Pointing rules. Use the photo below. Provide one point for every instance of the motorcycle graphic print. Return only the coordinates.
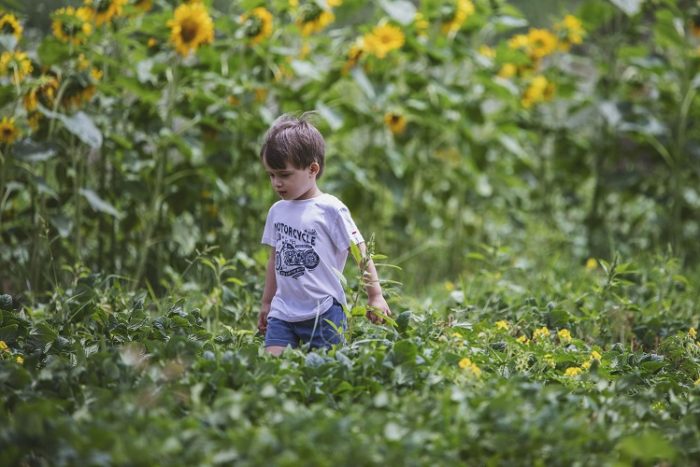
(294, 260)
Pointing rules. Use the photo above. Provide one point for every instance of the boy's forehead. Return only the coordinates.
(287, 167)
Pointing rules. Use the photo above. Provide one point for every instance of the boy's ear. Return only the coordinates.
(314, 168)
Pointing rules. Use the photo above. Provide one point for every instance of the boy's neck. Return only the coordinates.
(311, 193)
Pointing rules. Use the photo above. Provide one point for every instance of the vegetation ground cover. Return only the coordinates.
(533, 175)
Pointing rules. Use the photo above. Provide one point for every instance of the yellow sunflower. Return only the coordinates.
(104, 10)
(383, 39)
(72, 25)
(8, 130)
(539, 90)
(357, 50)
(311, 18)
(396, 122)
(16, 64)
(541, 43)
(43, 93)
(457, 15)
(573, 31)
(257, 25)
(143, 5)
(10, 26)
(191, 27)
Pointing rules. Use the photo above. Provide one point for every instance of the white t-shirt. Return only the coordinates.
(311, 238)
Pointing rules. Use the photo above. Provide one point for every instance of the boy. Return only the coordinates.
(311, 233)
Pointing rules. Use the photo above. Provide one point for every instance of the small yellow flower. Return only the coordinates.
(507, 70)
(487, 51)
(519, 41)
(257, 24)
(8, 131)
(564, 336)
(595, 355)
(449, 286)
(692, 333)
(503, 324)
(549, 360)
(467, 364)
(10, 26)
(572, 29)
(540, 333)
(190, 28)
(697, 382)
(383, 39)
(396, 122)
(152, 42)
(586, 365)
(573, 371)
(4, 347)
(591, 264)
(421, 24)
(523, 340)
(20, 359)
(540, 89)
(463, 9)
(357, 50)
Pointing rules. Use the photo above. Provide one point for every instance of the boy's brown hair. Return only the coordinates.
(296, 140)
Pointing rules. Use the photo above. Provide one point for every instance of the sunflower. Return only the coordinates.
(572, 30)
(541, 43)
(257, 25)
(190, 27)
(44, 93)
(143, 5)
(104, 10)
(16, 64)
(10, 26)
(311, 18)
(357, 50)
(396, 122)
(72, 25)
(540, 89)
(79, 89)
(456, 16)
(383, 39)
(8, 131)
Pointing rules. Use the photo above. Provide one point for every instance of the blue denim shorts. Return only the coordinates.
(317, 333)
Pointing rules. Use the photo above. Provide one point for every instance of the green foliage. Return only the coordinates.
(466, 377)
(136, 157)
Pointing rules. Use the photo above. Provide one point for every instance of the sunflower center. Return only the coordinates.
(101, 6)
(8, 28)
(188, 30)
(7, 131)
(310, 12)
(254, 26)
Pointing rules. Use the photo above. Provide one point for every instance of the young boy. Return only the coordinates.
(311, 233)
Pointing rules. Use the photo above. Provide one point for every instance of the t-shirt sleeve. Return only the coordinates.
(345, 230)
(268, 236)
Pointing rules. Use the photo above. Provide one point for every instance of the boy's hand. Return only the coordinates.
(262, 318)
(377, 303)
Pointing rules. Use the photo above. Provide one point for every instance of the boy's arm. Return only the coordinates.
(374, 289)
(268, 292)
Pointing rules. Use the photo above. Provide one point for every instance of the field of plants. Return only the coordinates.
(528, 170)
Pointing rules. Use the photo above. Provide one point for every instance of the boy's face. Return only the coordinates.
(292, 183)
